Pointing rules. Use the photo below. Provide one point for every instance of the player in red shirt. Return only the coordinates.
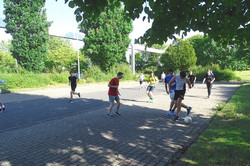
(114, 93)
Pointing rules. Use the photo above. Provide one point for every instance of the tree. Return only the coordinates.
(180, 55)
(226, 21)
(26, 22)
(6, 60)
(61, 54)
(106, 38)
(210, 52)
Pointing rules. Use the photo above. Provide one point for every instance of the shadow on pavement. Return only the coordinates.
(49, 131)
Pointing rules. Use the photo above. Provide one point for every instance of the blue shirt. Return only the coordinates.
(168, 78)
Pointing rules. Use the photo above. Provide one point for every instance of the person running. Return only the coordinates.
(152, 81)
(2, 107)
(209, 78)
(73, 80)
(163, 76)
(171, 95)
(181, 80)
(113, 94)
(192, 78)
(141, 78)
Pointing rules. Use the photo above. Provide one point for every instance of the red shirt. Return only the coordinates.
(113, 91)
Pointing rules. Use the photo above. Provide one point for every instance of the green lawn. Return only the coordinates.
(244, 75)
(227, 139)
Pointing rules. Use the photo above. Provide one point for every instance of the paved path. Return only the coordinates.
(53, 133)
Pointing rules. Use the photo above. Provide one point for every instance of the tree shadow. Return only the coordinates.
(48, 131)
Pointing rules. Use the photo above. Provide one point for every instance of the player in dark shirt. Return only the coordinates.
(192, 78)
(209, 78)
(73, 83)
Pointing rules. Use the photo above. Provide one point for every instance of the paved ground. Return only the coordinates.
(41, 128)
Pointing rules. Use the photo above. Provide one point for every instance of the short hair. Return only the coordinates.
(71, 72)
(151, 72)
(170, 70)
(183, 74)
(119, 73)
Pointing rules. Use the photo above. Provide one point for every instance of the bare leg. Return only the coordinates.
(179, 100)
(118, 106)
(110, 107)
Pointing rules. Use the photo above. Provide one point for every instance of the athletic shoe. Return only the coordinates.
(176, 118)
(189, 110)
(109, 115)
(70, 101)
(79, 94)
(170, 112)
(117, 113)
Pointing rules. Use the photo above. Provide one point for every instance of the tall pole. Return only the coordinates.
(78, 59)
(132, 58)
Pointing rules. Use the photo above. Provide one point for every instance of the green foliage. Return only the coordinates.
(220, 74)
(180, 55)
(208, 52)
(225, 21)
(7, 62)
(61, 54)
(106, 38)
(95, 74)
(26, 22)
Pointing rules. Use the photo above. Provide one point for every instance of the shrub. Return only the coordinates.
(220, 75)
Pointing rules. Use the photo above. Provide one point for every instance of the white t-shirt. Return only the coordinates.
(141, 77)
(180, 82)
(163, 76)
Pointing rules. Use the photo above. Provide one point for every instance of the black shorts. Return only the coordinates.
(73, 88)
(141, 82)
(179, 94)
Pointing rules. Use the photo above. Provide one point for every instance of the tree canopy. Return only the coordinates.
(106, 38)
(224, 20)
(26, 21)
(180, 55)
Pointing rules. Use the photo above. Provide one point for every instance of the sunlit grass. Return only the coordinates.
(227, 140)
(244, 75)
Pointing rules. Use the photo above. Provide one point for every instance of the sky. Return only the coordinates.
(64, 21)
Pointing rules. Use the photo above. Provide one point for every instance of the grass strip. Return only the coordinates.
(226, 141)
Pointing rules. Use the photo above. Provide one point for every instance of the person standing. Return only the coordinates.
(141, 78)
(73, 80)
(192, 78)
(152, 82)
(2, 107)
(209, 78)
(181, 80)
(163, 75)
(171, 95)
(113, 94)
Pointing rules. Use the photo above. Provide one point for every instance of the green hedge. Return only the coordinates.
(220, 75)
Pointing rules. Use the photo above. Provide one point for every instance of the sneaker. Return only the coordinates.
(117, 113)
(176, 118)
(108, 115)
(79, 94)
(189, 110)
(170, 112)
(70, 101)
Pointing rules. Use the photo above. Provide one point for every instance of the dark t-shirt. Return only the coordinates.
(209, 78)
(113, 91)
(72, 80)
(191, 78)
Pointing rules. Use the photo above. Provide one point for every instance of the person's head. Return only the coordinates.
(183, 74)
(163, 73)
(151, 74)
(119, 75)
(71, 73)
(191, 73)
(170, 72)
(208, 71)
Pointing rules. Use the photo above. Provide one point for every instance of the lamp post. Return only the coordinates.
(78, 59)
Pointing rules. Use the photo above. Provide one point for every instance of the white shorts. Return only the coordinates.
(171, 95)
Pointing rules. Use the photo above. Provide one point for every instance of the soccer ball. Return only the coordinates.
(188, 119)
